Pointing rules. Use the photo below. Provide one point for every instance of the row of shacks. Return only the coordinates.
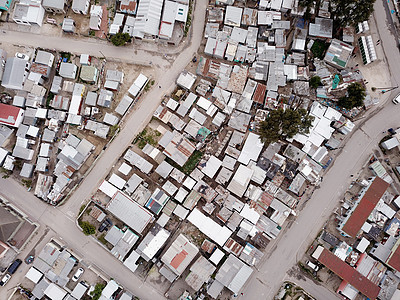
(35, 123)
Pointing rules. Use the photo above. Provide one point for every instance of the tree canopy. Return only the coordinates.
(315, 82)
(120, 39)
(87, 228)
(96, 293)
(354, 97)
(351, 12)
(282, 124)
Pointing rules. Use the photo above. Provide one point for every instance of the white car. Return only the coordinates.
(312, 265)
(5, 279)
(22, 56)
(77, 274)
(396, 100)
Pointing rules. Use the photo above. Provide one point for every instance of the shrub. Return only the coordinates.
(120, 39)
(87, 228)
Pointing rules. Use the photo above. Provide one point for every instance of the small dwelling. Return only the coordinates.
(54, 6)
(390, 143)
(89, 74)
(80, 6)
(68, 25)
(28, 12)
(96, 13)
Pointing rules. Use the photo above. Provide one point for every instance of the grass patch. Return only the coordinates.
(102, 239)
(190, 164)
(149, 85)
(113, 130)
(66, 55)
(189, 19)
(318, 49)
(82, 208)
(147, 136)
(27, 183)
(50, 97)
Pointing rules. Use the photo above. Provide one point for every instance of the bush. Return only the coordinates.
(96, 293)
(315, 82)
(87, 228)
(82, 208)
(27, 183)
(120, 39)
(102, 239)
(318, 49)
(354, 98)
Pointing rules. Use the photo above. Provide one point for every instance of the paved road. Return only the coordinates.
(88, 46)
(293, 244)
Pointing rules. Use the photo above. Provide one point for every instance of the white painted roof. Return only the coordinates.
(34, 275)
(250, 214)
(209, 227)
(108, 189)
(251, 149)
(117, 181)
(363, 245)
(125, 168)
(212, 166)
(217, 256)
(131, 260)
(54, 292)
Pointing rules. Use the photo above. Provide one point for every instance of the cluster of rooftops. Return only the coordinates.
(44, 105)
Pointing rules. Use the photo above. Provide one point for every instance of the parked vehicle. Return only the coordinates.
(29, 259)
(396, 100)
(103, 226)
(5, 279)
(77, 274)
(312, 265)
(14, 266)
(22, 56)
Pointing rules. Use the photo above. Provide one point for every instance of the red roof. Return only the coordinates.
(8, 114)
(178, 259)
(394, 258)
(259, 94)
(365, 207)
(349, 274)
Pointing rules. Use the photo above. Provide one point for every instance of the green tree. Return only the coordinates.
(354, 97)
(351, 12)
(308, 5)
(96, 293)
(315, 82)
(282, 124)
(87, 228)
(120, 39)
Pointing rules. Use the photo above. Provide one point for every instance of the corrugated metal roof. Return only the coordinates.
(179, 254)
(201, 271)
(349, 274)
(365, 207)
(129, 212)
(14, 73)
